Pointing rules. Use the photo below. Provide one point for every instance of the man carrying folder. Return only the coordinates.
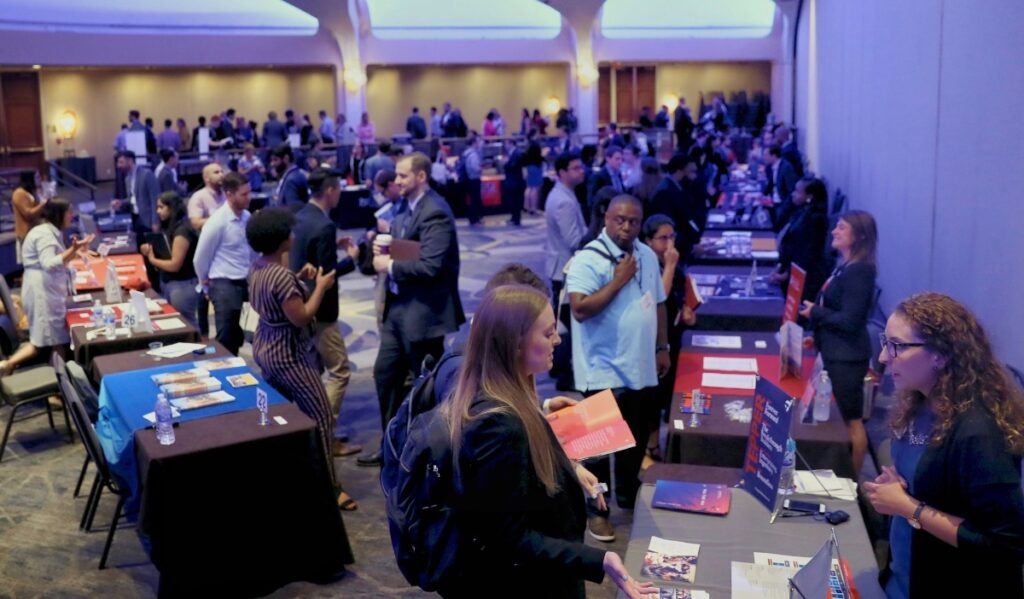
(422, 300)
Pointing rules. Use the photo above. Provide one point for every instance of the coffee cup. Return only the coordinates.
(383, 242)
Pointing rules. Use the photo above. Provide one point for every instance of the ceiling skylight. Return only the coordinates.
(185, 17)
(687, 18)
(463, 19)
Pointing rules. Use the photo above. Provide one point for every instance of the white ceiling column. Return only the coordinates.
(582, 18)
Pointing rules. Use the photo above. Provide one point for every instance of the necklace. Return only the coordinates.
(916, 439)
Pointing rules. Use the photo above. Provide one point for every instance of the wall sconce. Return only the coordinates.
(552, 105)
(670, 100)
(587, 74)
(355, 78)
(67, 124)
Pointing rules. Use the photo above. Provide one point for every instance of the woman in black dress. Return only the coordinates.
(839, 319)
(283, 345)
(526, 514)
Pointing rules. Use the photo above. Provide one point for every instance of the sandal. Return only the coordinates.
(346, 503)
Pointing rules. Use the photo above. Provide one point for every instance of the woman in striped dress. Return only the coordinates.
(283, 345)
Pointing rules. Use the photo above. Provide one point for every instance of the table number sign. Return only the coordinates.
(766, 443)
(261, 405)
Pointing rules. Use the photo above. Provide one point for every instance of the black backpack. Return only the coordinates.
(420, 489)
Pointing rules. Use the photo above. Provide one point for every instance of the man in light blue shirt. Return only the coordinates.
(619, 337)
(222, 261)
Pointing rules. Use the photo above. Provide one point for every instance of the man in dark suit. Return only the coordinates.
(679, 197)
(415, 125)
(683, 126)
(316, 242)
(292, 189)
(167, 171)
(142, 189)
(274, 131)
(790, 153)
(422, 300)
(609, 175)
(781, 181)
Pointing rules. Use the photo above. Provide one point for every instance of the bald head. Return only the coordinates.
(213, 176)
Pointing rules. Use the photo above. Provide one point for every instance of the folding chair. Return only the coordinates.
(104, 478)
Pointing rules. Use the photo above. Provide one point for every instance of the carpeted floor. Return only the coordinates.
(43, 554)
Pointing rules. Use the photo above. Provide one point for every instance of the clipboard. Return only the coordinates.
(158, 242)
(404, 249)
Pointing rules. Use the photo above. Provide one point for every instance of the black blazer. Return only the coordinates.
(840, 318)
(427, 305)
(970, 475)
(315, 242)
(803, 242)
(599, 180)
(530, 544)
(686, 208)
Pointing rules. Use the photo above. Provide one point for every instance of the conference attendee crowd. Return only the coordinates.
(624, 222)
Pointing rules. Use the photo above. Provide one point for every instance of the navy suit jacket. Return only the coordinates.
(295, 190)
(840, 319)
(316, 243)
(146, 191)
(427, 305)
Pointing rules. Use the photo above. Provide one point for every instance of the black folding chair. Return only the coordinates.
(104, 478)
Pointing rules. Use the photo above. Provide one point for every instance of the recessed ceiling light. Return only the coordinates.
(36, 67)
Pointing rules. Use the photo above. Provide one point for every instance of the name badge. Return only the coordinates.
(647, 302)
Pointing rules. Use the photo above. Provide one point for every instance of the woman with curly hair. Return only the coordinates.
(955, 490)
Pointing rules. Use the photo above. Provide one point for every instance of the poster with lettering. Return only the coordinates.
(766, 445)
(794, 293)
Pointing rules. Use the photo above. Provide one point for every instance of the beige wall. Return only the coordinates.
(392, 91)
(102, 99)
(692, 78)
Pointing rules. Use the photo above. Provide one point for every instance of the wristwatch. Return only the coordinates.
(662, 348)
(915, 520)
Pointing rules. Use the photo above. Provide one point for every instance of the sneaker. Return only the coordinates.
(601, 529)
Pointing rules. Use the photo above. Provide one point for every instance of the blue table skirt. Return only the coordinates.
(125, 397)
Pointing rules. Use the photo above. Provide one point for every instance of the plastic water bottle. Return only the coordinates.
(822, 397)
(164, 425)
(110, 321)
(97, 314)
(788, 466)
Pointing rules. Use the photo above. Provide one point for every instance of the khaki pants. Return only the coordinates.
(331, 346)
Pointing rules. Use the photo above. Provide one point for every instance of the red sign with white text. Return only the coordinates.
(795, 293)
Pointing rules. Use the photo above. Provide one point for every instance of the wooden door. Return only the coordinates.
(625, 95)
(645, 91)
(21, 130)
(604, 94)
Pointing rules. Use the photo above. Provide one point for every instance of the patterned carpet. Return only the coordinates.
(43, 554)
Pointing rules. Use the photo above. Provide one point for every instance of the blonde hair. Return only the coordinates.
(494, 366)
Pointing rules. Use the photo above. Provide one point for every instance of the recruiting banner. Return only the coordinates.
(766, 445)
(794, 293)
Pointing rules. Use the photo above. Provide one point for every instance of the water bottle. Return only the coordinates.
(164, 426)
(788, 466)
(97, 314)
(109, 321)
(822, 397)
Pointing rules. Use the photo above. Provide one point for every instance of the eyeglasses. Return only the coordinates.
(668, 237)
(892, 348)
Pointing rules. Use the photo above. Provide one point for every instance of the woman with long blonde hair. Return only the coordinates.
(525, 510)
(955, 491)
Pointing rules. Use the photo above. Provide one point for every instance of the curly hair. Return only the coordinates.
(971, 373)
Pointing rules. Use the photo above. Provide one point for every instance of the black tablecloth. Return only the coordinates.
(233, 508)
(722, 442)
(762, 241)
(83, 168)
(762, 312)
(138, 360)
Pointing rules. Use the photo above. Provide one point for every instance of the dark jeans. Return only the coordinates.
(203, 314)
(512, 195)
(635, 406)
(227, 297)
(182, 295)
(397, 359)
(476, 207)
(140, 229)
